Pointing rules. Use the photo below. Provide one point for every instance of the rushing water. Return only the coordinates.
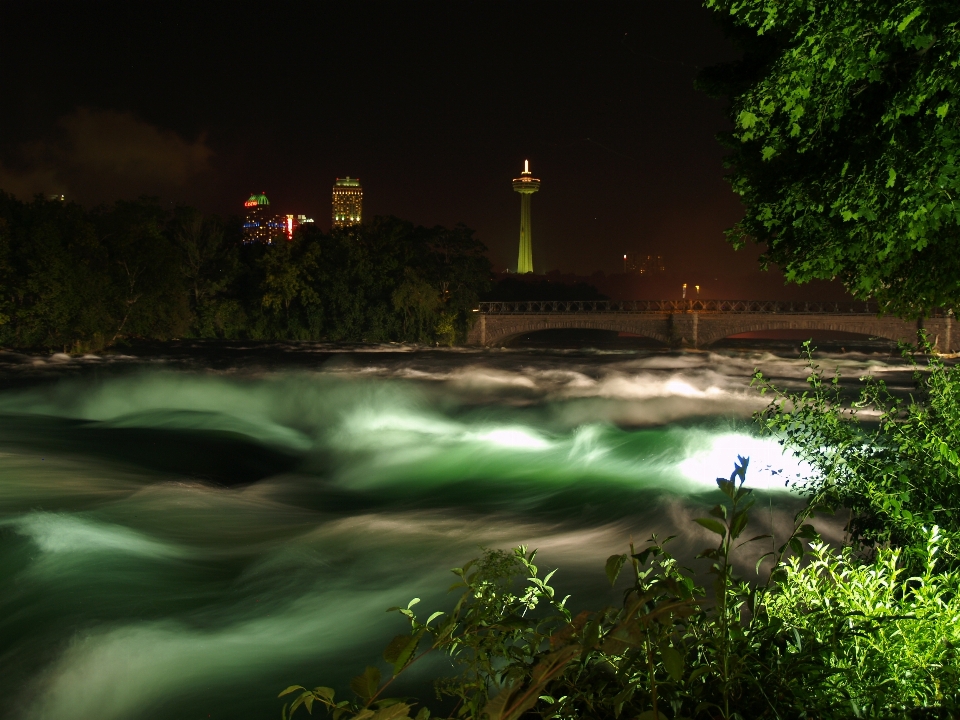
(183, 534)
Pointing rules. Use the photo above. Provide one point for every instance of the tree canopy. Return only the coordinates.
(77, 279)
(846, 142)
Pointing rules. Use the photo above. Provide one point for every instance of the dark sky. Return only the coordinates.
(433, 105)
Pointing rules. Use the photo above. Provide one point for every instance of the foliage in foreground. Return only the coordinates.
(891, 462)
(832, 638)
(846, 142)
(904, 654)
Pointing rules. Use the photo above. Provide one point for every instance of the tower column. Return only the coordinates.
(525, 260)
(526, 185)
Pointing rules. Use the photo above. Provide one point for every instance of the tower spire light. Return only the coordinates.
(526, 185)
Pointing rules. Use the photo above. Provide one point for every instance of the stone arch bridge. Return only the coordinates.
(698, 323)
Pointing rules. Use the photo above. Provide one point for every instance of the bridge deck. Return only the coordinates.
(725, 306)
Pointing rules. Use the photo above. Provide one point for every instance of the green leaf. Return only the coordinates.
(673, 662)
(796, 546)
(396, 647)
(942, 110)
(909, 19)
(366, 685)
(727, 487)
(737, 524)
(891, 177)
(292, 688)
(324, 692)
(713, 526)
(613, 567)
(400, 650)
(762, 558)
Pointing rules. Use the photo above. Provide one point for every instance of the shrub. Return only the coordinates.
(902, 632)
(897, 472)
(833, 638)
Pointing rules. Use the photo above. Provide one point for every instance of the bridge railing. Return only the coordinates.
(672, 306)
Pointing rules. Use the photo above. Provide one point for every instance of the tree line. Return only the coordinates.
(81, 279)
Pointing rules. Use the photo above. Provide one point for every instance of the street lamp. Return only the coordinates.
(684, 291)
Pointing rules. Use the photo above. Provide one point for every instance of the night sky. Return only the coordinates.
(433, 105)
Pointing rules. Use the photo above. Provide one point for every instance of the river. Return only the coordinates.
(187, 530)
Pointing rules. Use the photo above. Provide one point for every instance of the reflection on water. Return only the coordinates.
(185, 533)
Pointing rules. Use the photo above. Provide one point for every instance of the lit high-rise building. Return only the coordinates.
(652, 265)
(259, 226)
(526, 185)
(347, 202)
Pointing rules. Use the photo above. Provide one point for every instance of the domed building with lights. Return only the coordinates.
(259, 226)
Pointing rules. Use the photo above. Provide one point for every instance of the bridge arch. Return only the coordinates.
(501, 329)
(723, 327)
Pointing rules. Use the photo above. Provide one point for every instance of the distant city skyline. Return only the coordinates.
(417, 101)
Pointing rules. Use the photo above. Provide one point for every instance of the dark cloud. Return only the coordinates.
(98, 155)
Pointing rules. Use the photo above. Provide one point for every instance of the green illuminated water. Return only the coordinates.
(183, 538)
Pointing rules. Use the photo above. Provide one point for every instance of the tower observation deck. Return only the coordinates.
(526, 185)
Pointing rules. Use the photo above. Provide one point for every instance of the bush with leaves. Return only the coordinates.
(832, 638)
(902, 631)
(897, 472)
(494, 634)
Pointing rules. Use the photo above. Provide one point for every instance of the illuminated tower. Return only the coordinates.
(526, 185)
(347, 202)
